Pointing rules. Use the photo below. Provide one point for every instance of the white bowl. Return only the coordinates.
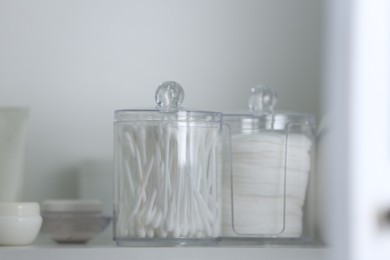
(19, 223)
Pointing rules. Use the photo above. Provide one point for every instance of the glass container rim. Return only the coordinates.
(157, 115)
(279, 116)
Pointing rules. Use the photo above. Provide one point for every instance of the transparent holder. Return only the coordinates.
(168, 165)
(265, 195)
(260, 223)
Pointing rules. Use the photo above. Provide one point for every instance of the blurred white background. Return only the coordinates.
(73, 62)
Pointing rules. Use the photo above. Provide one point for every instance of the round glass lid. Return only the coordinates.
(262, 103)
(169, 97)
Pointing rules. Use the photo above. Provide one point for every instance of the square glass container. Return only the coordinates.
(267, 197)
(167, 174)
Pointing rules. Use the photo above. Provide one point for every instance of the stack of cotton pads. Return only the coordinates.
(267, 189)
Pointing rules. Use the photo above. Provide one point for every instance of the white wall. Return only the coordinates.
(73, 62)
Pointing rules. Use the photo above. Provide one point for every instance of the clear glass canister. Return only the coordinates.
(167, 174)
(265, 197)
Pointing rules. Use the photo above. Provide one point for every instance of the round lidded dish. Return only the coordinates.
(73, 221)
(19, 223)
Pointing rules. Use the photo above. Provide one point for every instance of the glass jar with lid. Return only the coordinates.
(168, 164)
(267, 195)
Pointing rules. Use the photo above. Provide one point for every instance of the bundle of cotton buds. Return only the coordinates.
(168, 182)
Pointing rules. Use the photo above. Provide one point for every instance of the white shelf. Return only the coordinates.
(96, 250)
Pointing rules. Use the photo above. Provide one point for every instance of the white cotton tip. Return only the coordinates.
(199, 234)
(184, 231)
(156, 222)
(161, 232)
(148, 218)
(192, 229)
(131, 231)
(139, 219)
(208, 229)
(149, 233)
(141, 232)
(210, 218)
(184, 234)
(137, 204)
(216, 229)
(122, 232)
(169, 222)
(176, 232)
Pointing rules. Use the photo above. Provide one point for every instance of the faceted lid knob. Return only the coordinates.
(169, 96)
(262, 100)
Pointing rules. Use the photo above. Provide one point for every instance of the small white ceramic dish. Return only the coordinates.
(73, 221)
(20, 223)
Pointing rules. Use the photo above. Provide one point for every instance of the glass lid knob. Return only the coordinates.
(262, 100)
(169, 96)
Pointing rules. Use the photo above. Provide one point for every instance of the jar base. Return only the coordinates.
(166, 242)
